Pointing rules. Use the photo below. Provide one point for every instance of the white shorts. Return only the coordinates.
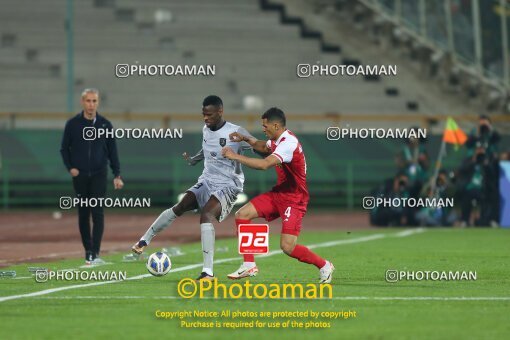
(226, 195)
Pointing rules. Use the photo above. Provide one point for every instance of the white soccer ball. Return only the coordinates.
(159, 264)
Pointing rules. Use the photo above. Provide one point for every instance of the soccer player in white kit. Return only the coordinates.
(216, 189)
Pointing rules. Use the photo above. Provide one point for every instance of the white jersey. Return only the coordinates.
(218, 170)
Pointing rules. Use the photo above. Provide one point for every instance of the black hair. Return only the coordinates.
(416, 130)
(482, 116)
(212, 100)
(401, 173)
(275, 114)
(443, 172)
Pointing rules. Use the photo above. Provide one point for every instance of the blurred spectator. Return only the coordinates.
(481, 169)
(397, 187)
(445, 216)
(414, 161)
(485, 136)
(474, 174)
(504, 156)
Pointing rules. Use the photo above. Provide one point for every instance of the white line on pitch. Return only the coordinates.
(409, 232)
(381, 298)
(31, 277)
(192, 266)
(89, 266)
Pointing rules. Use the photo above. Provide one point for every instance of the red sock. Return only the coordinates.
(246, 257)
(305, 255)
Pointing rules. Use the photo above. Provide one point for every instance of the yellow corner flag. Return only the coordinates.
(452, 133)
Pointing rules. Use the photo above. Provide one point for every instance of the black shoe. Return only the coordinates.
(138, 247)
(89, 257)
(204, 276)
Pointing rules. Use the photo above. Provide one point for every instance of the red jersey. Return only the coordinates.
(291, 185)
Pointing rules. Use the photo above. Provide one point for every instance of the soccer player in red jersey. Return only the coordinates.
(288, 199)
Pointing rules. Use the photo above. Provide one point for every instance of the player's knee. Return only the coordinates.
(239, 214)
(287, 247)
(244, 214)
(207, 217)
(178, 209)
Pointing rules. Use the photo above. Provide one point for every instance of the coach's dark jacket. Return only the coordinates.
(90, 157)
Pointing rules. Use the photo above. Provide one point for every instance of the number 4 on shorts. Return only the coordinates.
(287, 213)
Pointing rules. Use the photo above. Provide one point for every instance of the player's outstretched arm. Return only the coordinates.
(258, 145)
(254, 163)
(194, 159)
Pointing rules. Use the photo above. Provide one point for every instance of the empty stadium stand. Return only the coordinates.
(254, 47)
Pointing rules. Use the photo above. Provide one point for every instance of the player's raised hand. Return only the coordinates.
(228, 152)
(236, 137)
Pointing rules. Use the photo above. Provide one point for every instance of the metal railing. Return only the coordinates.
(341, 186)
(251, 121)
(474, 32)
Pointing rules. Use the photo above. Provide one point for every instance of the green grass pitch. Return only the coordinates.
(404, 310)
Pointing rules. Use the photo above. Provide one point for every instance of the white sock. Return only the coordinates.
(208, 237)
(249, 264)
(162, 222)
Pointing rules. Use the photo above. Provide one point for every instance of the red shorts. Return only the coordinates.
(270, 209)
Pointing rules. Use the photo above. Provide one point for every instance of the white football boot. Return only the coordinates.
(244, 271)
(326, 272)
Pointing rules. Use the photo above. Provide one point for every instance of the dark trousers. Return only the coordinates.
(468, 196)
(88, 187)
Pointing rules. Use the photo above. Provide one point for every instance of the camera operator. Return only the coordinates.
(475, 172)
(397, 187)
(485, 136)
(414, 161)
(482, 147)
(443, 189)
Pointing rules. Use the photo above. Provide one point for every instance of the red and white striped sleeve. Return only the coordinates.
(285, 149)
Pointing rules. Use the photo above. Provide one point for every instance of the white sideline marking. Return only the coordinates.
(47, 256)
(192, 266)
(409, 232)
(427, 298)
(31, 277)
(383, 298)
(86, 266)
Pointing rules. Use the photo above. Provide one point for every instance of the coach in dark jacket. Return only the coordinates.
(86, 158)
